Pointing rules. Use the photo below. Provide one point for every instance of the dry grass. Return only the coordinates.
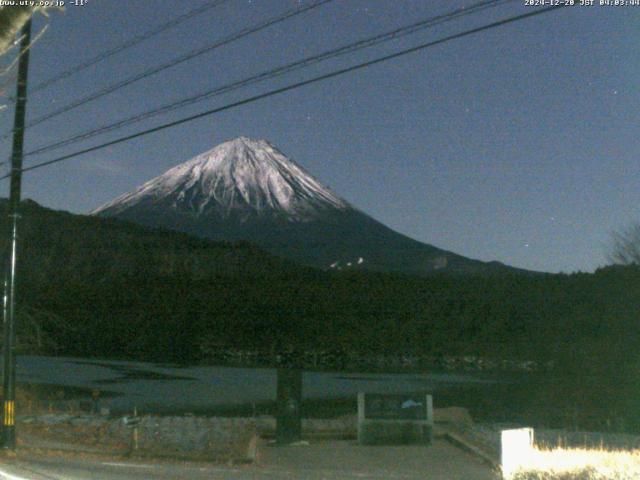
(579, 464)
(35, 399)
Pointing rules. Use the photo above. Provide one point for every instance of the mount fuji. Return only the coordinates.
(248, 190)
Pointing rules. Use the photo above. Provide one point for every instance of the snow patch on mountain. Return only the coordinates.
(242, 177)
(337, 265)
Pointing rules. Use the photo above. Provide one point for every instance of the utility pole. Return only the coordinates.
(9, 374)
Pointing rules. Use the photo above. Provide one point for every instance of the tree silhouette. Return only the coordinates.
(626, 246)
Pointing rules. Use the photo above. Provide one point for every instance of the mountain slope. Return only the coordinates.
(248, 190)
(69, 247)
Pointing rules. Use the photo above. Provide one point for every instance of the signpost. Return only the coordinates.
(133, 422)
(394, 418)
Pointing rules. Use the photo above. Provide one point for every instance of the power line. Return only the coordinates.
(14, 63)
(127, 44)
(293, 86)
(276, 72)
(172, 63)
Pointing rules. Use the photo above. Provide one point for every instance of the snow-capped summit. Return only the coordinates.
(248, 190)
(240, 178)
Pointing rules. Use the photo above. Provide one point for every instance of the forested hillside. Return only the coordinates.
(109, 288)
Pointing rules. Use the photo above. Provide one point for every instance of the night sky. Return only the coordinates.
(519, 144)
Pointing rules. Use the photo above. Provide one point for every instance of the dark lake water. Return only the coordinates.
(155, 387)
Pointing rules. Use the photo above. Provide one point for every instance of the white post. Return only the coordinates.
(430, 411)
(516, 448)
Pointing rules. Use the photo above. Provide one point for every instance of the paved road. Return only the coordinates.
(326, 460)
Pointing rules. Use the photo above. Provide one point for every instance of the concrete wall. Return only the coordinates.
(225, 439)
